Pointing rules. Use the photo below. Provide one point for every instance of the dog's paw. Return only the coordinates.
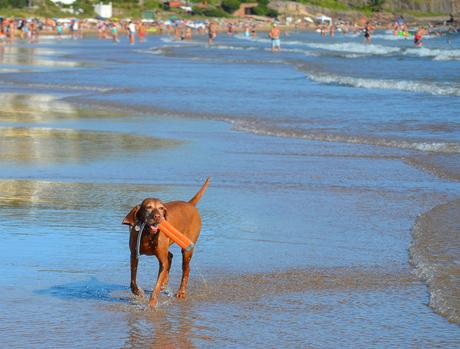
(137, 292)
(153, 304)
(180, 294)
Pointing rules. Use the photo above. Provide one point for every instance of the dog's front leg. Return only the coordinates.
(162, 277)
(134, 262)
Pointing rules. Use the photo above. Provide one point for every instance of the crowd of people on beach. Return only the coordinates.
(30, 28)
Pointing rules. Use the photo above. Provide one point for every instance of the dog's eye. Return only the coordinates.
(162, 208)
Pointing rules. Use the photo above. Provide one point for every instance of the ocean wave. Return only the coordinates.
(401, 85)
(353, 47)
(357, 50)
(391, 37)
(436, 54)
(250, 38)
(233, 48)
(260, 128)
(434, 252)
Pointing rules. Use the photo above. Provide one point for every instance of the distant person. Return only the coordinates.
(141, 31)
(188, 33)
(212, 33)
(332, 30)
(59, 29)
(323, 29)
(230, 29)
(450, 33)
(246, 30)
(132, 32)
(368, 29)
(253, 31)
(75, 28)
(419, 36)
(177, 32)
(275, 37)
(101, 29)
(114, 32)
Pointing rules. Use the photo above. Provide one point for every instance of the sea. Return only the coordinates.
(332, 219)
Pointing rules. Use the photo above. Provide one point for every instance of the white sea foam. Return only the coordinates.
(354, 47)
(357, 50)
(437, 54)
(401, 85)
(250, 38)
(233, 48)
(391, 37)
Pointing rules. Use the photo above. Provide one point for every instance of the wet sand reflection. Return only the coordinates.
(33, 56)
(46, 145)
(50, 195)
(17, 107)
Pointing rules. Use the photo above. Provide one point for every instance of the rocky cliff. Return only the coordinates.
(434, 6)
(428, 6)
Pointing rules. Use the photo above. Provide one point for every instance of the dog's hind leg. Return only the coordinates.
(186, 257)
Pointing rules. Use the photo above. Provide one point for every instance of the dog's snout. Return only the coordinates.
(157, 216)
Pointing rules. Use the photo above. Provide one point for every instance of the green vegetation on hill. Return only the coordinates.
(19, 8)
(342, 5)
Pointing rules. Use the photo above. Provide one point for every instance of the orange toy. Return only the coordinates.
(175, 235)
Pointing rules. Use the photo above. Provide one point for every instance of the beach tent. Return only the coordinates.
(322, 19)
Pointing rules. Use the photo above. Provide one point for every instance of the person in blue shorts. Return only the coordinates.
(275, 36)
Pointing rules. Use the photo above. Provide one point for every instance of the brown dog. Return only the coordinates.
(182, 215)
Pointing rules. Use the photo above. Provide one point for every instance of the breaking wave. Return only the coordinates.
(436, 54)
(432, 88)
(356, 50)
(353, 47)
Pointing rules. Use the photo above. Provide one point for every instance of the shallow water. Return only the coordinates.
(316, 187)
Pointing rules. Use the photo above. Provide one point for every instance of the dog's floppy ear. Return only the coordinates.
(130, 218)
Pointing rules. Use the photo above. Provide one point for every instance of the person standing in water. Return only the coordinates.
(132, 32)
(114, 32)
(275, 36)
(59, 29)
(419, 36)
(141, 31)
(368, 29)
(212, 32)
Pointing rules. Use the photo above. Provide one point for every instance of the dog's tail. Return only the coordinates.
(198, 195)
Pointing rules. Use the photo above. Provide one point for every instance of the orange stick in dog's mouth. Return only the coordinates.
(175, 235)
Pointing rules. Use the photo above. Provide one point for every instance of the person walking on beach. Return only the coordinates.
(275, 36)
(132, 32)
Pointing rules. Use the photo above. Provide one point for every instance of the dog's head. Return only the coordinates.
(151, 212)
